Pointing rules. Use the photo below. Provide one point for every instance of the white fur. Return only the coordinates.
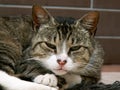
(62, 56)
(47, 79)
(52, 64)
(13, 83)
(64, 47)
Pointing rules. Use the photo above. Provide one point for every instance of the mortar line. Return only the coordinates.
(91, 4)
(60, 7)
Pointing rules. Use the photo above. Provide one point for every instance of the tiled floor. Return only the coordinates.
(111, 68)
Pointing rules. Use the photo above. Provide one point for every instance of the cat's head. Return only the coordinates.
(63, 46)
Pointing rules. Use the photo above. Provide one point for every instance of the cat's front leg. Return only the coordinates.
(47, 79)
(51, 80)
(88, 80)
(12, 83)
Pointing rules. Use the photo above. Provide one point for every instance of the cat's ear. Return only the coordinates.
(40, 16)
(89, 22)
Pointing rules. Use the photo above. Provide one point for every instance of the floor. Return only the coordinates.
(110, 74)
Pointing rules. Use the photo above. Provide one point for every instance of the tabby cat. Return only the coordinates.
(52, 53)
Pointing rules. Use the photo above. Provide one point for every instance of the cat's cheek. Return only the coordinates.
(51, 62)
(69, 65)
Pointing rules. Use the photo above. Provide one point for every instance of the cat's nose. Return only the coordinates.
(61, 62)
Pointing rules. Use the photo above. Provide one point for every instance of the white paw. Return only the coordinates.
(47, 79)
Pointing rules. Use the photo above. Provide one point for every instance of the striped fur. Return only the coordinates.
(29, 48)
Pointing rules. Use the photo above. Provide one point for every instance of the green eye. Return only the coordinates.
(50, 45)
(75, 48)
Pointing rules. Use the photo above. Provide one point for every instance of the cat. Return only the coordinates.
(53, 53)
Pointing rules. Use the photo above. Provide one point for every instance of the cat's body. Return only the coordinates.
(52, 52)
(15, 36)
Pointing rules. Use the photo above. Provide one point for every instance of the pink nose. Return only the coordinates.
(61, 62)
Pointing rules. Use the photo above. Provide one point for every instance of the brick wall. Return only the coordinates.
(109, 25)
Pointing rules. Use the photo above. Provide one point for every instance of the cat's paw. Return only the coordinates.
(47, 79)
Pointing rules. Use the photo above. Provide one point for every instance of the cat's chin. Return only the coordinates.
(60, 72)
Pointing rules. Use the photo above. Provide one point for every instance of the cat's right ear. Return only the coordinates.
(40, 16)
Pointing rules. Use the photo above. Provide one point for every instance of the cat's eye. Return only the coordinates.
(50, 45)
(75, 48)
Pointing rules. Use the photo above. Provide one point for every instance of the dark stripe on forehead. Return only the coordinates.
(59, 32)
(64, 30)
(64, 27)
(68, 20)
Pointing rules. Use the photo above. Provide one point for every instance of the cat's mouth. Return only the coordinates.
(60, 71)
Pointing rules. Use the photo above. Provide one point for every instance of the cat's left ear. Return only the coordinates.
(40, 16)
(89, 22)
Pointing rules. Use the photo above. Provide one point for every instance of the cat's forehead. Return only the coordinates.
(65, 28)
(62, 26)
